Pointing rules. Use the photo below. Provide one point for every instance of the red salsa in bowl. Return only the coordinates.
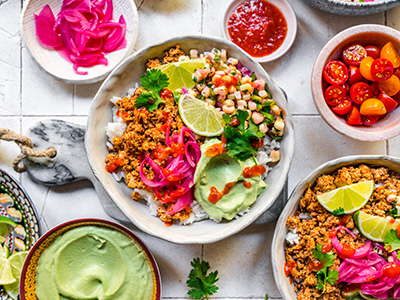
(258, 27)
(265, 29)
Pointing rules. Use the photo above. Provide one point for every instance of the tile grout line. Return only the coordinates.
(20, 71)
(202, 17)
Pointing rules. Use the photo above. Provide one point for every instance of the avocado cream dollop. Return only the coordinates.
(91, 262)
(221, 188)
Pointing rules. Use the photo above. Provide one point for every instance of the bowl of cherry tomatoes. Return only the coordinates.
(356, 82)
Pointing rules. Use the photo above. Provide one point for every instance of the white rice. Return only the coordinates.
(117, 128)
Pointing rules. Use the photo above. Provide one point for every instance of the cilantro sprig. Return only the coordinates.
(239, 138)
(153, 82)
(324, 275)
(392, 242)
(338, 212)
(201, 284)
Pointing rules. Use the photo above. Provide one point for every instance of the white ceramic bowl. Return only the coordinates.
(286, 9)
(123, 78)
(52, 62)
(278, 242)
(342, 7)
(365, 34)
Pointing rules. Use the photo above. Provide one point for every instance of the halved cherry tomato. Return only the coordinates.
(365, 68)
(355, 75)
(374, 88)
(372, 107)
(369, 120)
(390, 86)
(373, 51)
(381, 69)
(343, 107)
(389, 52)
(354, 117)
(334, 94)
(388, 101)
(354, 54)
(336, 72)
(359, 92)
(346, 87)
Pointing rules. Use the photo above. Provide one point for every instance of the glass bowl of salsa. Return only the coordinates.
(264, 29)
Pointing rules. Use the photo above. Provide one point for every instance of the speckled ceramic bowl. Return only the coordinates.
(353, 8)
(28, 274)
(379, 35)
(124, 78)
(278, 242)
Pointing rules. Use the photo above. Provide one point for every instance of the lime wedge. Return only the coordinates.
(180, 73)
(6, 226)
(374, 227)
(6, 276)
(202, 118)
(16, 261)
(350, 197)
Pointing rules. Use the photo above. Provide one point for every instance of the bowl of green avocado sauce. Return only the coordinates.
(90, 259)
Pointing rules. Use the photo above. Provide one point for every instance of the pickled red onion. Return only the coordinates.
(83, 31)
(179, 189)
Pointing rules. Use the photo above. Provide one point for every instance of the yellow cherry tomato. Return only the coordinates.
(391, 53)
(372, 107)
(390, 86)
(365, 68)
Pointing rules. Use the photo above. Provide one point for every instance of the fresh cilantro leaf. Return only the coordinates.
(333, 277)
(338, 212)
(324, 275)
(394, 212)
(266, 297)
(201, 284)
(392, 242)
(153, 82)
(239, 138)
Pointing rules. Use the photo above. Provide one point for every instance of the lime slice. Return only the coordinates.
(180, 73)
(16, 261)
(350, 197)
(6, 276)
(6, 226)
(374, 227)
(202, 118)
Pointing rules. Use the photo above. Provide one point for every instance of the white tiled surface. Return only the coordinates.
(27, 95)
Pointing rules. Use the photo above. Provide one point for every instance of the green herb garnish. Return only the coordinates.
(338, 212)
(392, 242)
(201, 284)
(153, 82)
(324, 275)
(394, 212)
(238, 139)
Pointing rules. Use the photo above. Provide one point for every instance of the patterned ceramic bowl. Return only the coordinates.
(342, 7)
(16, 205)
(28, 273)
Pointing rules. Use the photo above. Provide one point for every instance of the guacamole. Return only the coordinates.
(91, 262)
(222, 187)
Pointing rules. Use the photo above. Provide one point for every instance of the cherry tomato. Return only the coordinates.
(390, 86)
(372, 107)
(373, 51)
(397, 72)
(369, 120)
(346, 87)
(381, 69)
(359, 92)
(343, 107)
(336, 72)
(365, 68)
(391, 270)
(354, 117)
(388, 101)
(375, 88)
(334, 94)
(355, 75)
(389, 52)
(354, 54)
